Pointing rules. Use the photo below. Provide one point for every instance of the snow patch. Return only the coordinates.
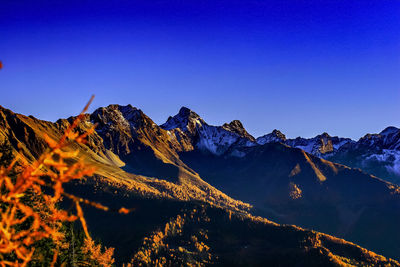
(340, 144)
(308, 147)
(215, 139)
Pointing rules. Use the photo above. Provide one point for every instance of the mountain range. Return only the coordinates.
(378, 154)
(197, 185)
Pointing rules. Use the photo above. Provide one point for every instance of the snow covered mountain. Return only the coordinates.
(318, 146)
(186, 120)
(214, 139)
(378, 154)
(232, 137)
(389, 138)
(275, 137)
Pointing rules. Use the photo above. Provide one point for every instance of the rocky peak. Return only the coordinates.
(275, 136)
(324, 142)
(389, 138)
(187, 112)
(278, 134)
(324, 135)
(236, 126)
(118, 125)
(369, 140)
(121, 117)
(390, 131)
(186, 120)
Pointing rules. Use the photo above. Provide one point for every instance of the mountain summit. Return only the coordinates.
(275, 136)
(187, 125)
(236, 126)
(186, 120)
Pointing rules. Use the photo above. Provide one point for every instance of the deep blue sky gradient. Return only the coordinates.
(303, 67)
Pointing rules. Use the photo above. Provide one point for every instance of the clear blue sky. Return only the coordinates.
(303, 67)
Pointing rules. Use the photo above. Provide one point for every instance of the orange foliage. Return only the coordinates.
(103, 259)
(51, 170)
(173, 247)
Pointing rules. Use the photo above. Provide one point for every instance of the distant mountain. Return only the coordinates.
(169, 174)
(378, 154)
(320, 145)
